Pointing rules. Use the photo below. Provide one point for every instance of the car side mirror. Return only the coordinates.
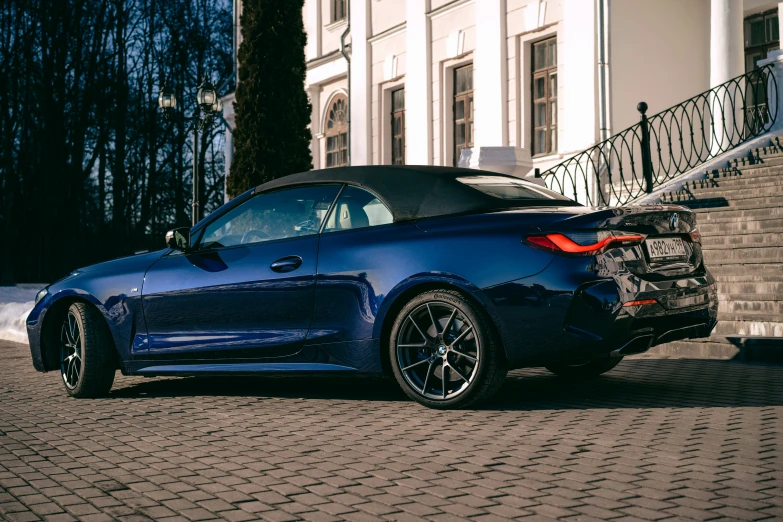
(178, 238)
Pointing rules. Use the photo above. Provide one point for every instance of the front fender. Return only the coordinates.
(115, 293)
(53, 302)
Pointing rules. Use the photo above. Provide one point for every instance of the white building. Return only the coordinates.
(521, 84)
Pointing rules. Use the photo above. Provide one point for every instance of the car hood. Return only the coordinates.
(125, 264)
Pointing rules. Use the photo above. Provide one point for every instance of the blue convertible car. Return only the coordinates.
(445, 278)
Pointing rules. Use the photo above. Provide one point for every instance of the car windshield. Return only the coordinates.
(503, 187)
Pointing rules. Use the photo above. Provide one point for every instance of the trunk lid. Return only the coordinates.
(670, 246)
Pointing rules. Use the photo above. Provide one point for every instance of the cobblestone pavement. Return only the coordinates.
(653, 439)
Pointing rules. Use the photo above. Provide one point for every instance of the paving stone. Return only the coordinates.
(654, 439)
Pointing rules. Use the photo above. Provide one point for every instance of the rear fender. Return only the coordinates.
(409, 288)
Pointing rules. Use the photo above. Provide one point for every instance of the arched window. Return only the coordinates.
(337, 132)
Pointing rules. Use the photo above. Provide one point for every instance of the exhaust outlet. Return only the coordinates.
(638, 344)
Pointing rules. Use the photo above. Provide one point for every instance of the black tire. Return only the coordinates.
(87, 354)
(461, 344)
(589, 369)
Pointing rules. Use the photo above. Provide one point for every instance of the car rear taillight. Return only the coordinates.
(641, 302)
(695, 236)
(582, 243)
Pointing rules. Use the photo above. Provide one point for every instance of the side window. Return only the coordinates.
(282, 214)
(357, 208)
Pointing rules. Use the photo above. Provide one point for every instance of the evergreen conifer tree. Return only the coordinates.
(271, 138)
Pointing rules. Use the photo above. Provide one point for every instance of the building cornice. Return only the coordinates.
(331, 57)
(388, 33)
(336, 26)
(448, 8)
(541, 29)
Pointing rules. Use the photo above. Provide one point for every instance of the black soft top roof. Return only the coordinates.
(413, 192)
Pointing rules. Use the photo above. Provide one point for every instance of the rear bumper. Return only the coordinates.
(683, 308)
(686, 325)
(565, 313)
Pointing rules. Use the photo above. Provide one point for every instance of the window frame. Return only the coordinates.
(337, 133)
(344, 9)
(468, 99)
(202, 230)
(548, 99)
(767, 45)
(334, 204)
(398, 113)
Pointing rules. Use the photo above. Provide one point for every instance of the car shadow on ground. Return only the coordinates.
(640, 383)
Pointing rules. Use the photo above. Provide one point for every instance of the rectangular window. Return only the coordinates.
(762, 35)
(545, 97)
(337, 150)
(463, 110)
(339, 11)
(398, 127)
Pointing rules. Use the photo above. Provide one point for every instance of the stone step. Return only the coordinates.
(772, 188)
(749, 278)
(765, 297)
(770, 160)
(761, 201)
(720, 188)
(718, 199)
(757, 156)
(744, 240)
(747, 308)
(747, 253)
(732, 214)
(750, 349)
(761, 268)
(731, 182)
(750, 328)
(749, 316)
(758, 288)
(753, 171)
(767, 152)
(758, 225)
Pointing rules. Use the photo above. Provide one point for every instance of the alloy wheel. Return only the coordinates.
(438, 351)
(71, 351)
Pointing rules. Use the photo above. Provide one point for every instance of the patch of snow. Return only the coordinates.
(15, 304)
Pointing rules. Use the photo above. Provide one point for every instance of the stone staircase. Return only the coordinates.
(740, 216)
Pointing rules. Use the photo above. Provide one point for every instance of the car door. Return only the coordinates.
(356, 266)
(245, 289)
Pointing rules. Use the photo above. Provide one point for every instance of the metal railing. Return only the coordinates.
(660, 147)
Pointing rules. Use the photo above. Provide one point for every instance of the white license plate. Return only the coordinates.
(664, 248)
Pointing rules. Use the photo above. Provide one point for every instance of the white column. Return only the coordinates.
(490, 76)
(775, 103)
(577, 93)
(780, 16)
(418, 85)
(727, 58)
(314, 93)
(360, 95)
(727, 61)
(491, 150)
(312, 23)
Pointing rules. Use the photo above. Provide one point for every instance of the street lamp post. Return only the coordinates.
(209, 106)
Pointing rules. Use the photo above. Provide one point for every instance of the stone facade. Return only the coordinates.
(610, 54)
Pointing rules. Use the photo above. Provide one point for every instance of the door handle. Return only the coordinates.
(286, 264)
